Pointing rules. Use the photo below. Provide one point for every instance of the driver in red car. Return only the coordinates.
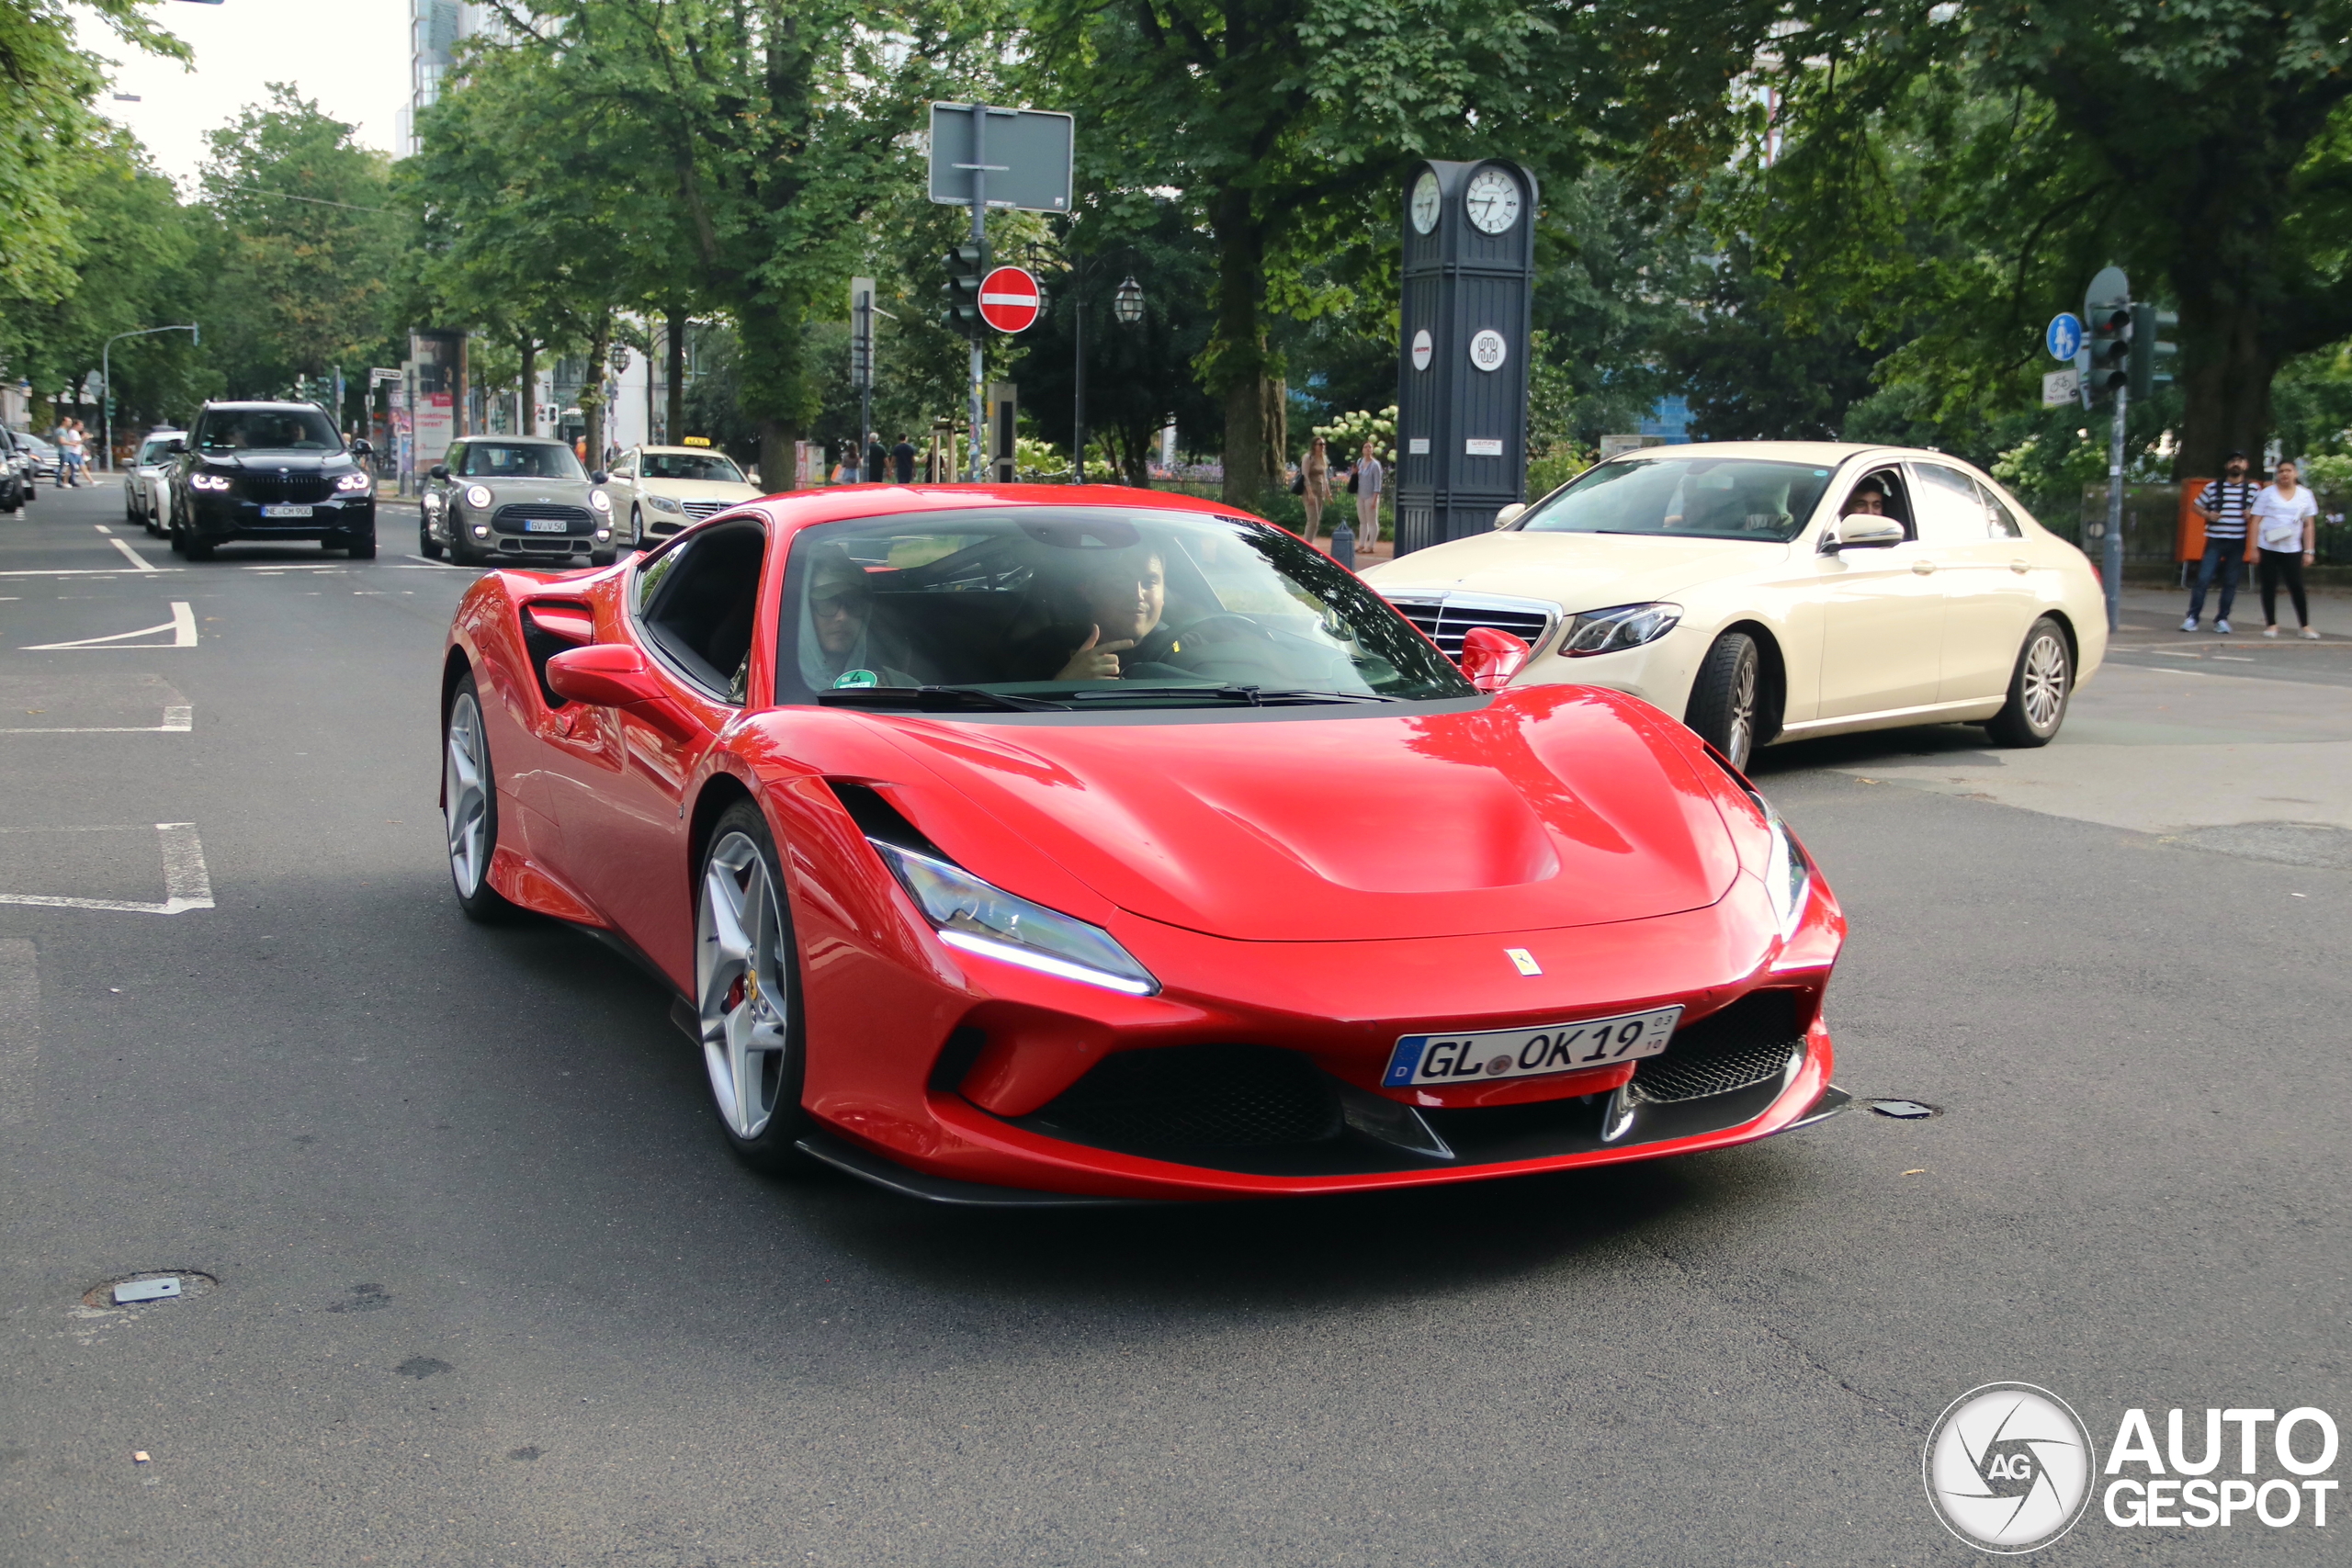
(1124, 596)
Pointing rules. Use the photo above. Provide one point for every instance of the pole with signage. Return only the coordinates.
(2106, 307)
(1462, 371)
(860, 357)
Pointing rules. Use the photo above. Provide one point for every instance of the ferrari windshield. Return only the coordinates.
(1688, 494)
(706, 468)
(268, 430)
(520, 460)
(1071, 607)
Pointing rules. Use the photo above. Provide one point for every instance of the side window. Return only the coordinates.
(2003, 522)
(1881, 491)
(698, 606)
(1952, 510)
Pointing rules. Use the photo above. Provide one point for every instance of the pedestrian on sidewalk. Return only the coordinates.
(2226, 504)
(902, 459)
(71, 453)
(2285, 521)
(1367, 488)
(877, 457)
(1315, 486)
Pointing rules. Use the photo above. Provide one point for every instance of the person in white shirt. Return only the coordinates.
(2285, 533)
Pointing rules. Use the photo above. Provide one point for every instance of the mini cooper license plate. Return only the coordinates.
(544, 526)
(284, 511)
(1529, 1052)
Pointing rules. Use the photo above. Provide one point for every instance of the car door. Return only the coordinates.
(619, 788)
(1979, 556)
(1882, 618)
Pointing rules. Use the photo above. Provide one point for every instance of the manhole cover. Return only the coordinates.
(148, 1286)
(1905, 1109)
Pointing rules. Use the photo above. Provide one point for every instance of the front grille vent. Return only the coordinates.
(1445, 619)
(1176, 1097)
(698, 509)
(511, 519)
(272, 488)
(1745, 1044)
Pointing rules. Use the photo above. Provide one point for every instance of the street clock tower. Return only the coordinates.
(1462, 367)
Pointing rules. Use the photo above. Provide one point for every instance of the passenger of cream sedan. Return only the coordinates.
(1770, 591)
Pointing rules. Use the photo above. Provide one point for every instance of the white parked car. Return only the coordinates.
(1776, 591)
(657, 490)
(147, 483)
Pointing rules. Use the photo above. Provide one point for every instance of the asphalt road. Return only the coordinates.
(490, 1290)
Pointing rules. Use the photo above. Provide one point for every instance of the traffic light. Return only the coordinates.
(965, 265)
(2149, 351)
(2110, 332)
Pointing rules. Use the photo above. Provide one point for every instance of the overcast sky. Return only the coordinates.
(350, 56)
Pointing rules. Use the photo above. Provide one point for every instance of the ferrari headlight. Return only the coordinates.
(354, 480)
(478, 496)
(600, 500)
(664, 503)
(978, 917)
(1786, 875)
(208, 481)
(1625, 626)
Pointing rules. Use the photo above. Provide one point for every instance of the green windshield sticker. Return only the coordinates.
(857, 678)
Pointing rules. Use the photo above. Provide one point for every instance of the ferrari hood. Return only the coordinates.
(1544, 806)
(1578, 571)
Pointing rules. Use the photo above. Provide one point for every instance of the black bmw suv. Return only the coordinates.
(269, 472)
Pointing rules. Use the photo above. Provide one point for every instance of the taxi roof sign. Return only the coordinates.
(693, 440)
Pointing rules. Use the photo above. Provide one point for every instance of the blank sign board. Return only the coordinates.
(1024, 154)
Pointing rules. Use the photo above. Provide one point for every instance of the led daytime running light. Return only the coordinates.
(1787, 877)
(978, 917)
(1621, 626)
(208, 481)
(478, 496)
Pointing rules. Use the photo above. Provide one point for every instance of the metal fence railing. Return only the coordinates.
(2151, 527)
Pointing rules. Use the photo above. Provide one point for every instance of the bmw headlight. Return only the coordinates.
(354, 480)
(478, 496)
(1625, 626)
(208, 481)
(1787, 876)
(600, 500)
(664, 503)
(978, 917)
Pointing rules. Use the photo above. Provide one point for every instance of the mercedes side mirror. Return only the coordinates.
(438, 471)
(1510, 515)
(1863, 531)
(1491, 658)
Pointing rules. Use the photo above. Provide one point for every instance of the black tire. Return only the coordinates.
(637, 528)
(1727, 698)
(427, 544)
(2041, 686)
(737, 1022)
(469, 808)
(178, 541)
(360, 547)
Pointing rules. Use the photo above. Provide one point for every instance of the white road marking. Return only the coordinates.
(188, 884)
(141, 562)
(444, 565)
(102, 528)
(20, 1030)
(177, 720)
(90, 572)
(182, 625)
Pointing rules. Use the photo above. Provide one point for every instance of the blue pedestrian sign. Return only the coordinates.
(2064, 336)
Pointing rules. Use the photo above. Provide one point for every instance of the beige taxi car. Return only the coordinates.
(657, 490)
(1775, 591)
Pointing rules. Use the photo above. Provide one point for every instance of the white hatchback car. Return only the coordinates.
(1776, 591)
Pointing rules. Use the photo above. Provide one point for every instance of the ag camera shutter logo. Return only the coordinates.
(2008, 1468)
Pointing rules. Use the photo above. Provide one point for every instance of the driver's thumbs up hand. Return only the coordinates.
(1094, 662)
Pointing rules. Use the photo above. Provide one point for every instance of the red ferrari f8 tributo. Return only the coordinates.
(1071, 845)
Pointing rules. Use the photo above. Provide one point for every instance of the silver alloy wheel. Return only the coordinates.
(1739, 729)
(2045, 682)
(741, 985)
(466, 788)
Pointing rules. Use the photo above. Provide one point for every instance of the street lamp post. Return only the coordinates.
(105, 378)
(1126, 307)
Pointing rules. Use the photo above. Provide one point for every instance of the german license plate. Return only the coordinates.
(284, 511)
(544, 526)
(1486, 1055)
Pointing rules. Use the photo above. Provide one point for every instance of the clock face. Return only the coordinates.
(1493, 200)
(1425, 203)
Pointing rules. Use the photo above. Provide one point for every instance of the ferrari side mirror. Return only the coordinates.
(1491, 658)
(615, 675)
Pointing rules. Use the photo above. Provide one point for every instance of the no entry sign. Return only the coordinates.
(1008, 300)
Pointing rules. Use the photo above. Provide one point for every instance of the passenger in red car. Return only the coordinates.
(835, 648)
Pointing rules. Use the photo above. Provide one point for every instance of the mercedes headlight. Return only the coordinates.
(478, 496)
(1625, 626)
(354, 480)
(978, 917)
(664, 503)
(208, 481)
(1786, 875)
(600, 500)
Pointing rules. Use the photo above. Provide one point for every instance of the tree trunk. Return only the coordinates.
(458, 405)
(675, 344)
(777, 470)
(1236, 355)
(592, 389)
(530, 347)
(2226, 381)
(1277, 427)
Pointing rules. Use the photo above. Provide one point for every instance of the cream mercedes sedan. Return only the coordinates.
(1776, 591)
(659, 489)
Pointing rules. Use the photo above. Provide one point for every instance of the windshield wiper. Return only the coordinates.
(1255, 697)
(934, 699)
